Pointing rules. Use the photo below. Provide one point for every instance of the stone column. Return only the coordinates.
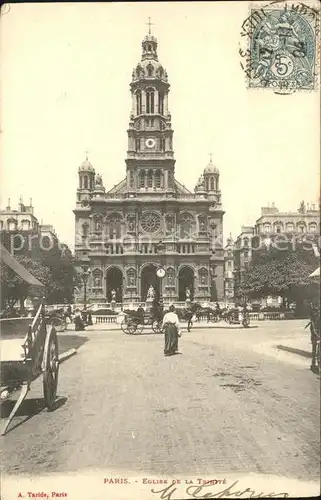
(143, 101)
(156, 101)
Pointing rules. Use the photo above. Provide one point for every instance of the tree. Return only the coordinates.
(14, 288)
(64, 278)
(284, 272)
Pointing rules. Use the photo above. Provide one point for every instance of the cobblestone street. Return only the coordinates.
(227, 404)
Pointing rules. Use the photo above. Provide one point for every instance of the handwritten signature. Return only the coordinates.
(194, 491)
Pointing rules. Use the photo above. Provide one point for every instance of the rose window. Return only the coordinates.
(150, 222)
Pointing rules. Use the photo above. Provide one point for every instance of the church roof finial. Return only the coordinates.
(149, 25)
(211, 156)
(86, 153)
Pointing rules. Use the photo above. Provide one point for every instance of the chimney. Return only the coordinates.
(8, 207)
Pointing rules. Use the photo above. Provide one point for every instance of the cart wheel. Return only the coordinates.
(157, 326)
(128, 327)
(138, 328)
(50, 368)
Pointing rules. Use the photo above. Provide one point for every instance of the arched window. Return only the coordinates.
(170, 180)
(149, 48)
(207, 183)
(137, 144)
(12, 224)
(301, 227)
(246, 242)
(161, 104)
(267, 227)
(149, 70)
(142, 178)
(150, 94)
(150, 178)
(138, 102)
(212, 183)
(162, 143)
(186, 225)
(86, 182)
(313, 227)
(25, 225)
(158, 178)
(290, 227)
(118, 229)
(160, 72)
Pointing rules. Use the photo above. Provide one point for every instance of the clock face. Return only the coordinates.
(150, 143)
(160, 272)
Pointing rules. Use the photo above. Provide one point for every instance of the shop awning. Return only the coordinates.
(21, 271)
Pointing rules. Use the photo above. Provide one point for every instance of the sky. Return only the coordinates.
(66, 70)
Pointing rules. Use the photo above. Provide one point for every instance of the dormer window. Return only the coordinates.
(149, 48)
(150, 70)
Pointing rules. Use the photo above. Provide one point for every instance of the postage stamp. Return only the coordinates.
(281, 46)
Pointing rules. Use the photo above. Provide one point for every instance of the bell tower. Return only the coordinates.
(150, 157)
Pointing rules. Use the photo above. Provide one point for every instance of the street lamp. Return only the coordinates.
(85, 276)
(161, 272)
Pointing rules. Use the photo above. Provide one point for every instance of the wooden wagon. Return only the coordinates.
(29, 348)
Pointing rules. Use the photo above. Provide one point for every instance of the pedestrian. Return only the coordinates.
(172, 331)
(79, 323)
(140, 314)
(89, 319)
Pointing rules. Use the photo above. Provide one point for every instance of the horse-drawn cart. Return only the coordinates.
(134, 325)
(27, 355)
(28, 348)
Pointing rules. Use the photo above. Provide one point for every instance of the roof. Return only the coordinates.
(16, 267)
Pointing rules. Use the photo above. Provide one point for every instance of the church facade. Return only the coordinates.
(149, 219)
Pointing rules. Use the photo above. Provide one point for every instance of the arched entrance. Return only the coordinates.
(185, 280)
(149, 277)
(114, 281)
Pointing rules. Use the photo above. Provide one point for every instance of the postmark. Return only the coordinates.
(279, 47)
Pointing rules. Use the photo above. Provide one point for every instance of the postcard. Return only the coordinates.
(160, 247)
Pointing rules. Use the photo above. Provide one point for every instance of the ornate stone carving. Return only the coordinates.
(150, 222)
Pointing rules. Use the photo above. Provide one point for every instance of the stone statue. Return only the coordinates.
(151, 293)
(202, 226)
(113, 295)
(187, 293)
(98, 180)
(131, 280)
(131, 225)
(169, 222)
